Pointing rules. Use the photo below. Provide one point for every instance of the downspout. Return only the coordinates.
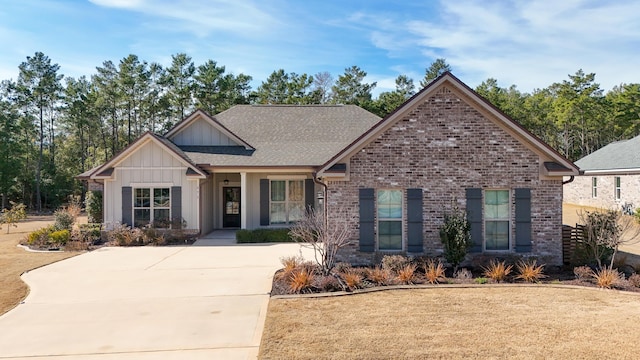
(571, 178)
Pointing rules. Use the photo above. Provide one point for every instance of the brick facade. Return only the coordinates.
(580, 191)
(444, 145)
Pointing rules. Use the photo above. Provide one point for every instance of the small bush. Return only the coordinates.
(497, 270)
(583, 272)
(379, 276)
(93, 204)
(301, 280)
(529, 271)
(455, 235)
(406, 275)
(463, 275)
(608, 278)
(40, 237)
(123, 235)
(263, 236)
(394, 263)
(434, 271)
(353, 279)
(480, 280)
(634, 280)
(59, 237)
(63, 219)
(328, 283)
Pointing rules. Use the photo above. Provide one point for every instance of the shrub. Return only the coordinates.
(263, 236)
(87, 233)
(481, 280)
(63, 219)
(583, 272)
(455, 235)
(463, 274)
(529, 271)
(634, 280)
(353, 279)
(406, 275)
(290, 264)
(497, 270)
(93, 205)
(607, 278)
(394, 263)
(40, 237)
(123, 235)
(434, 271)
(379, 276)
(301, 280)
(327, 283)
(59, 237)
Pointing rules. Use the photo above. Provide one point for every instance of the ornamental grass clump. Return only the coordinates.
(607, 278)
(353, 279)
(434, 271)
(406, 275)
(379, 276)
(301, 280)
(497, 270)
(530, 271)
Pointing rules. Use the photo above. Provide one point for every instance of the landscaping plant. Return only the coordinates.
(607, 278)
(455, 234)
(394, 263)
(434, 271)
(324, 236)
(93, 205)
(406, 275)
(12, 216)
(529, 271)
(582, 272)
(353, 279)
(300, 280)
(497, 270)
(379, 276)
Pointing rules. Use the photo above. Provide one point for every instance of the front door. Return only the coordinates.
(231, 204)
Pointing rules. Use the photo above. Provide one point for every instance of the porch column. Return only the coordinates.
(243, 200)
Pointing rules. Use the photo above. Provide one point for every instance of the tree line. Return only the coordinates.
(54, 127)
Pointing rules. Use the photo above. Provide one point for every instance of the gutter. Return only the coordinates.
(325, 207)
(571, 178)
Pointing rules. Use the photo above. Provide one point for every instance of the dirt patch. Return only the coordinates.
(535, 322)
(14, 260)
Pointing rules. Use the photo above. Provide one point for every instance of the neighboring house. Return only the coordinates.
(611, 177)
(391, 179)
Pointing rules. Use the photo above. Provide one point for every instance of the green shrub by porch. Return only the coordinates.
(263, 236)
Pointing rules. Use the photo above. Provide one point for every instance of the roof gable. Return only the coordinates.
(201, 129)
(473, 99)
(129, 154)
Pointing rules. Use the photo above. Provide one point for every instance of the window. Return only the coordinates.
(287, 201)
(617, 191)
(594, 187)
(389, 205)
(496, 214)
(154, 210)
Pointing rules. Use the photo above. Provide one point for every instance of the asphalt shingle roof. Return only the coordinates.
(623, 154)
(287, 135)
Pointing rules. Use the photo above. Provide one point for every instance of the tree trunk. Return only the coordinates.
(38, 170)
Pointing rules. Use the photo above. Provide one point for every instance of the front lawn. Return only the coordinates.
(14, 260)
(498, 322)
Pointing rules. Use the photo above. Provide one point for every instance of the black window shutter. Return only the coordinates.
(127, 205)
(474, 215)
(309, 194)
(523, 220)
(367, 220)
(176, 205)
(414, 220)
(264, 202)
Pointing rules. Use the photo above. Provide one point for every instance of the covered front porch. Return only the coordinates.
(251, 199)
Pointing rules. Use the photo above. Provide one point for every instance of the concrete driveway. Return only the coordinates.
(195, 302)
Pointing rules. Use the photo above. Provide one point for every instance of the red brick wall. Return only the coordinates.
(445, 146)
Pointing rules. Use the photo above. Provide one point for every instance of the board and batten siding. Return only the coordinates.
(201, 133)
(151, 166)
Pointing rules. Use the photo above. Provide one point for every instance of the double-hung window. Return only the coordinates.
(389, 206)
(618, 191)
(594, 187)
(287, 201)
(496, 214)
(152, 206)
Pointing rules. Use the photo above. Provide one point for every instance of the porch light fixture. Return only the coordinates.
(320, 197)
(226, 181)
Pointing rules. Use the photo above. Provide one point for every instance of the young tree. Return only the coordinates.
(434, 70)
(455, 234)
(325, 237)
(12, 216)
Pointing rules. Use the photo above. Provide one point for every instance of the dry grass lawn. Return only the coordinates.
(456, 323)
(14, 260)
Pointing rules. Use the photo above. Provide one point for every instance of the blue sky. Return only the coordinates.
(527, 43)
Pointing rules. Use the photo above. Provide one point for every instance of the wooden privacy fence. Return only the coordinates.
(571, 236)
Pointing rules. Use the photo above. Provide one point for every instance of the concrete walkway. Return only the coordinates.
(191, 302)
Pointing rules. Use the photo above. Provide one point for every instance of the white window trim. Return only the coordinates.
(286, 201)
(401, 220)
(151, 206)
(485, 219)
